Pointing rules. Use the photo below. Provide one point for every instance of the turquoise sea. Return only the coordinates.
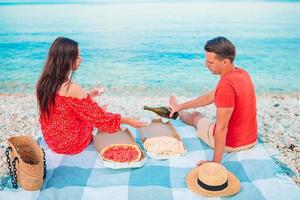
(151, 45)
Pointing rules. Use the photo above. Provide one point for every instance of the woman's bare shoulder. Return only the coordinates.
(72, 89)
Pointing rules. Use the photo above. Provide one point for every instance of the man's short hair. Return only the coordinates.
(222, 47)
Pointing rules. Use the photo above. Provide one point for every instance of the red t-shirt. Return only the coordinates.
(235, 89)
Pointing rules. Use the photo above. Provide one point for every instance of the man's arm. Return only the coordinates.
(198, 102)
(223, 117)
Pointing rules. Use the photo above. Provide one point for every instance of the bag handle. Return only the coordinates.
(45, 165)
(12, 168)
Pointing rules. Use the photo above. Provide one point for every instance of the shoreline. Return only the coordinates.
(278, 121)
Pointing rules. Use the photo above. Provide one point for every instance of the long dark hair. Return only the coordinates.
(61, 61)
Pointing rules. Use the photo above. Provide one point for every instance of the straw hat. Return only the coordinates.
(213, 180)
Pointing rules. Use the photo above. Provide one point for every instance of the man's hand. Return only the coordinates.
(174, 109)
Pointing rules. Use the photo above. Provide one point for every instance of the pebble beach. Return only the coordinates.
(278, 121)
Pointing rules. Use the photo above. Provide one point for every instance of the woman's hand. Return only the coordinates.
(133, 122)
(104, 107)
(96, 92)
(201, 162)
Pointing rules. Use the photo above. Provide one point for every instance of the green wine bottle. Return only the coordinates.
(162, 111)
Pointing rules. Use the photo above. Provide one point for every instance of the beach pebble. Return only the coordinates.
(280, 145)
(272, 138)
(297, 149)
(298, 168)
(291, 146)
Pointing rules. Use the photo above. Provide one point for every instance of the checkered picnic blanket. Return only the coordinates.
(83, 176)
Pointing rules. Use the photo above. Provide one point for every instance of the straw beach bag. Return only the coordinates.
(26, 162)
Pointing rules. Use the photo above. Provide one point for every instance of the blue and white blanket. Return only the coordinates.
(83, 176)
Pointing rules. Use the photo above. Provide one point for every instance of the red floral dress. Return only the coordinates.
(68, 130)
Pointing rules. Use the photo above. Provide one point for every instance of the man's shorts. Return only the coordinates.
(205, 130)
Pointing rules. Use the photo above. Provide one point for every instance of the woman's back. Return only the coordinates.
(71, 89)
(63, 130)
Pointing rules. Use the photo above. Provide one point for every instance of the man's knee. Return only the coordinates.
(196, 116)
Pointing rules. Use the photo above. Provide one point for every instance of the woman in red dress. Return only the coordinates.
(67, 112)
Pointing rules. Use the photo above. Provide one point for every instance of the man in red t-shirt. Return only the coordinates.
(235, 127)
